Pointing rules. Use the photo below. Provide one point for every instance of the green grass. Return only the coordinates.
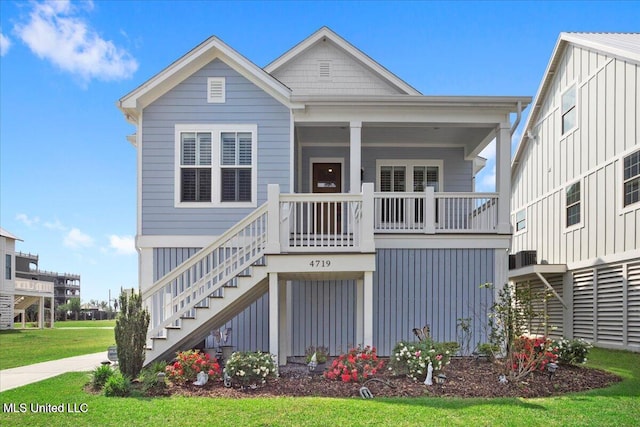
(25, 347)
(85, 324)
(618, 405)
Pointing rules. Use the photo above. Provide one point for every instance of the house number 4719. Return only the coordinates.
(320, 263)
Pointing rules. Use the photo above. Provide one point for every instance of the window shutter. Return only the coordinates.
(216, 90)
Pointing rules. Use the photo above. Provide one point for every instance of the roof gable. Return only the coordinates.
(212, 48)
(625, 46)
(304, 68)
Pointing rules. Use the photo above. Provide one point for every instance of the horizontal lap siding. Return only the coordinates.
(187, 103)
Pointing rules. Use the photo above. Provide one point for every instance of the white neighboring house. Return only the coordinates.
(576, 190)
(17, 294)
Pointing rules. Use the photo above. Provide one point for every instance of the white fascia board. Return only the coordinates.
(191, 62)
(507, 104)
(341, 43)
(479, 163)
(558, 50)
(5, 233)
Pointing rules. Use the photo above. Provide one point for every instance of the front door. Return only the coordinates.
(327, 178)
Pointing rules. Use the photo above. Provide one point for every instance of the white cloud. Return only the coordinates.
(76, 239)
(5, 44)
(489, 151)
(26, 220)
(55, 32)
(55, 225)
(123, 245)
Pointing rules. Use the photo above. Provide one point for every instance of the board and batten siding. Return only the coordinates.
(608, 128)
(411, 288)
(187, 103)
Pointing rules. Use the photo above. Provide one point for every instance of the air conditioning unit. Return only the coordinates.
(512, 262)
(524, 258)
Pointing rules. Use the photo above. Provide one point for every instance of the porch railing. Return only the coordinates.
(428, 212)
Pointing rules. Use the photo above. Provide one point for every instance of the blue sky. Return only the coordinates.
(68, 178)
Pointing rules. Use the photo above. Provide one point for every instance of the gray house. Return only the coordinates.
(319, 200)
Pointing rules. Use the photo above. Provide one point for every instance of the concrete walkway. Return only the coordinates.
(23, 375)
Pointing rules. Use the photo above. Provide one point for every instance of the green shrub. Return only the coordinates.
(489, 350)
(572, 352)
(100, 375)
(250, 368)
(412, 358)
(117, 385)
(149, 376)
(131, 333)
(321, 353)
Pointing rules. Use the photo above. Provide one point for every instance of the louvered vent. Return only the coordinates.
(324, 70)
(215, 90)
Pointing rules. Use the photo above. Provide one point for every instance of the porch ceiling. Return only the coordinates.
(471, 136)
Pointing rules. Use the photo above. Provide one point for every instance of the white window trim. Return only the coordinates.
(223, 96)
(515, 222)
(216, 130)
(578, 225)
(572, 85)
(410, 163)
(634, 206)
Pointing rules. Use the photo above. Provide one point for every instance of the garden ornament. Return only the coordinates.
(226, 379)
(429, 379)
(502, 379)
(201, 379)
(313, 363)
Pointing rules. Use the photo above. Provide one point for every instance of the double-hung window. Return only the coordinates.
(568, 109)
(216, 165)
(573, 205)
(521, 220)
(631, 178)
(7, 267)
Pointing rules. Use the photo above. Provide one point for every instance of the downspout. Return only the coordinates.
(518, 117)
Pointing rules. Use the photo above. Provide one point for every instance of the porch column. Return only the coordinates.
(273, 219)
(355, 157)
(277, 319)
(364, 309)
(41, 313)
(53, 312)
(503, 177)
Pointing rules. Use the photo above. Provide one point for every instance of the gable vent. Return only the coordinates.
(324, 70)
(215, 90)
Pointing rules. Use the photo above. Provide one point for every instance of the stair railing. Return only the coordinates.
(176, 295)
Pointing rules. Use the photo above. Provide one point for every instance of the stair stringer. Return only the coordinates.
(219, 311)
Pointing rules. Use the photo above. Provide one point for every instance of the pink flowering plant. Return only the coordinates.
(188, 364)
(412, 358)
(357, 365)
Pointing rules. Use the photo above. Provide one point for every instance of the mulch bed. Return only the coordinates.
(465, 378)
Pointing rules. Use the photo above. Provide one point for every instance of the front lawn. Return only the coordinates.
(28, 346)
(618, 405)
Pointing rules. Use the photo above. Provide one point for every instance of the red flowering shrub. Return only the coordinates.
(531, 354)
(357, 365)
(191, 362)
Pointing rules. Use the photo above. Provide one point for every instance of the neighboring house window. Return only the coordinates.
(632, 178)
(568, 110)
(216, 165)
(521, 220)
(7, 274)
(195, 167)
(573, 204)
(236, 167)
